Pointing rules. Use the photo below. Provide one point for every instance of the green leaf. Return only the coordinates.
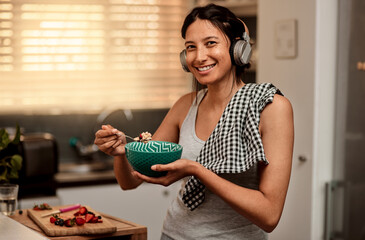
(13, 173)
(16, 162)
(4, 137)
(3, 175)
(3, 163)
(9, 164)
(16, 139)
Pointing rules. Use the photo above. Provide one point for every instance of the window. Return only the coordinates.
(64, 56)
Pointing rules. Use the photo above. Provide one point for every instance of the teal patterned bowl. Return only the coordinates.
(143, 155)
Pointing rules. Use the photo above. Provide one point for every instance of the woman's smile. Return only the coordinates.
(206, 68)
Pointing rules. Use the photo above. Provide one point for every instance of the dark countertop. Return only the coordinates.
(69, 175)
(96, 173)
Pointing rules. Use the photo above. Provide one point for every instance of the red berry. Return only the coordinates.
(69, 222)
(52, 219)
(80, 221)
(89, 217)
(94, 220)
(83, 210)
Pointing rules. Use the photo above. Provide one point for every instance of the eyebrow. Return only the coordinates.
(205, 39)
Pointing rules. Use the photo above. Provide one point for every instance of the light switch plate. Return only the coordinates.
(286, 38)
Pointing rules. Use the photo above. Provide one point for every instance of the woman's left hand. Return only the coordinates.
(175, 171)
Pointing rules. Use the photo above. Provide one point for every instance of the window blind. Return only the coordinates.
(65, 56)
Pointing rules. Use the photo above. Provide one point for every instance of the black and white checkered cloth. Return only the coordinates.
(235, 143)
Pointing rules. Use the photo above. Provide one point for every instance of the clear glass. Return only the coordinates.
(8, 198)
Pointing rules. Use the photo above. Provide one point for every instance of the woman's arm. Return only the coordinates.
(264, 206)
(108, 142)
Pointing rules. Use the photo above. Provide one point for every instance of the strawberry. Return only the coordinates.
(83, 210)
(52, 219)
(89, 217)
(80, 221)
(69, 222)
(94, 220)
(44, 206)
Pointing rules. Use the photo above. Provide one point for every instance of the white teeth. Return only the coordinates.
(206, 68)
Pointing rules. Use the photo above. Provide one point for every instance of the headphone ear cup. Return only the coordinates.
(183, 61)
(241, 52)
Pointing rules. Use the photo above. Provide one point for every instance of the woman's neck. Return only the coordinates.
(219, 96)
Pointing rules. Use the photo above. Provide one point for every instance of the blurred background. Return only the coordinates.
(67, 67)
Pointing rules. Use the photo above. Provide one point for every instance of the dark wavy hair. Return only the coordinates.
(225, 21)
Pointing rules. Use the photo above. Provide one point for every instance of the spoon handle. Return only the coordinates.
(129, 137)
(120, 134)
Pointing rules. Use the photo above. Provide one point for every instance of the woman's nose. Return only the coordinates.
(201, 54)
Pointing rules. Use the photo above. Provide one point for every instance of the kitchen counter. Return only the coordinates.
(125, 229)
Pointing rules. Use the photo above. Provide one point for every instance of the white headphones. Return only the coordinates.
(240, 51)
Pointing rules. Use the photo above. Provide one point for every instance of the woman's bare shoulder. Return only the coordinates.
(280, 112)
(179, 110)
(281, 103)
(184, 102)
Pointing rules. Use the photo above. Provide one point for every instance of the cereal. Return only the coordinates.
(144, 137)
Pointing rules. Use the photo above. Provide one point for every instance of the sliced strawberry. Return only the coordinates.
(94, 220)
(77, 214)
(83, 210)
(100, 220)
(80, 221)
(89, 217)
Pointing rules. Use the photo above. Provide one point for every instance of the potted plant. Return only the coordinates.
(10, 159)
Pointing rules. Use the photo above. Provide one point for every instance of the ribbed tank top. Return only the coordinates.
(214, 219)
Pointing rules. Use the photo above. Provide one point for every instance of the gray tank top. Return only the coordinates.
(214, 219)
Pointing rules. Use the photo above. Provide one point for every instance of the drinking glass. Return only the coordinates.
(8, 198)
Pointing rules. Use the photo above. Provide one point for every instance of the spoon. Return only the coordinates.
(129, 137)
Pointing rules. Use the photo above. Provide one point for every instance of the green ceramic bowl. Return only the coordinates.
(143, 155)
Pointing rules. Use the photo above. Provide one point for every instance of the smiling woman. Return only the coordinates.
(61, 57)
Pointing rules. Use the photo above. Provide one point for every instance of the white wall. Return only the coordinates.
(308, 81)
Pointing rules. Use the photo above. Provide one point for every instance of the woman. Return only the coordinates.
(237, 139)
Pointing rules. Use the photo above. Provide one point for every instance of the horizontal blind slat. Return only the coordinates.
(72, 55)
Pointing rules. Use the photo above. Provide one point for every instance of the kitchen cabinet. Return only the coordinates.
(146, 205)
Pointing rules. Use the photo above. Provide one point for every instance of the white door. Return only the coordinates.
(307, 80)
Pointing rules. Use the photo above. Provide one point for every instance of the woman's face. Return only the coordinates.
(207, 53)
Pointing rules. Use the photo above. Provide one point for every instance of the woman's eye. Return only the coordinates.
(189, 47)
(210, 43)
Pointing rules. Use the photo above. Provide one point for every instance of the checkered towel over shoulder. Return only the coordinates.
(235, 143)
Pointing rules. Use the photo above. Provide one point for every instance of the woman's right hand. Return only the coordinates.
(110, 140)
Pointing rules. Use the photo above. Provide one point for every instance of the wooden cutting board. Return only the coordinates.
(51, 229)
